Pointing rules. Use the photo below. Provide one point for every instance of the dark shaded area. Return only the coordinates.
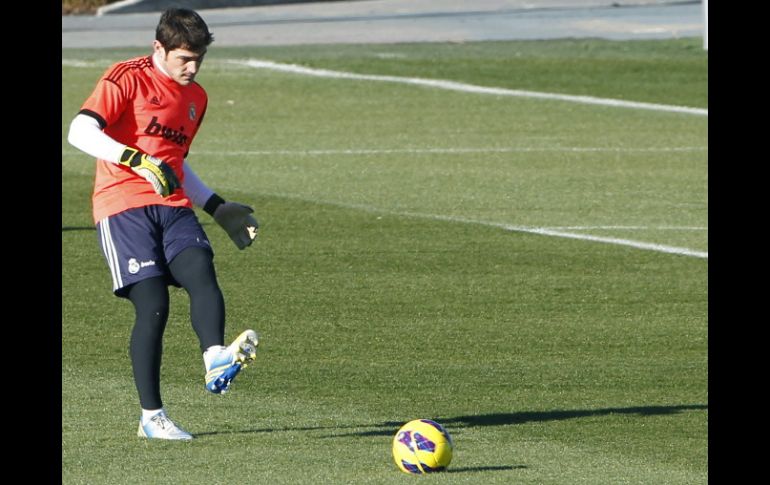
(78, 228)
(389, 428)
(505, 419)
(467, 469)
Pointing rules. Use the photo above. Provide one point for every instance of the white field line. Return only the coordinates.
(629, 228)
(661, 248)
(77, 63)
(463, 87)
(542, 231)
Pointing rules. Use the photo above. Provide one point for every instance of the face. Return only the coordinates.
(181, 64)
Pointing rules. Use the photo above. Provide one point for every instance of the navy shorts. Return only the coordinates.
(139, 243)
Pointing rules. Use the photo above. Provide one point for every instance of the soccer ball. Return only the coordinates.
(422, 446)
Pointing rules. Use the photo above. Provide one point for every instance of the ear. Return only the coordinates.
(158, 48)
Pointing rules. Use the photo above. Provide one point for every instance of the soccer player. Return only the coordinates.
(139, 122)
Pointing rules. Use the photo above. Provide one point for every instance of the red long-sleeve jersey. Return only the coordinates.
(140, 106)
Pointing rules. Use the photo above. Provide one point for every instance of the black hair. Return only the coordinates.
(181, 28)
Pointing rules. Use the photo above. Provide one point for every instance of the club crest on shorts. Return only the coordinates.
(133, 266)
(191, 112)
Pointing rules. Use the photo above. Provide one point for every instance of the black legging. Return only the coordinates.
(193, 268)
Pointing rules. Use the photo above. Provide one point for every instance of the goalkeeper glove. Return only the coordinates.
(154, 170)
(235, 219)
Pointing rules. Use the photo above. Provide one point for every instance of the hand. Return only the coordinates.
(154, 170)
(237, 222)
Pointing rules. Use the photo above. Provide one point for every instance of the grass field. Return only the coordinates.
(400, 273)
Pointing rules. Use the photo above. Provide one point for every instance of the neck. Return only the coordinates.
(156, 59)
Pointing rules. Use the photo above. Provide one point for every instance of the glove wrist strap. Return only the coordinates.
(130, 157)
(211, 205)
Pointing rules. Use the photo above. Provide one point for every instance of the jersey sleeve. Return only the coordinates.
(194, 187)
(110, 96)
(86, 134)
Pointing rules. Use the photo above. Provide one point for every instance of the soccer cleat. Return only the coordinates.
(161, 427)
(230, 361)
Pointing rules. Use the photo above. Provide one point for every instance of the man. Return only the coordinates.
(139, 123)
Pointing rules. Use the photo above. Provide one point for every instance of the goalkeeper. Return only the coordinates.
(139, 122)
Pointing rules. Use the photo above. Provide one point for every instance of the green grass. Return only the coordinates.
(384, 292)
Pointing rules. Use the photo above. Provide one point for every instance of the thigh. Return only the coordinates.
(193, 269)
(132, 245)
(151, 300)
(181, 230)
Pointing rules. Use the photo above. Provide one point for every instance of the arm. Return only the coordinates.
(234, 218)
(86, 134)
(194, 187)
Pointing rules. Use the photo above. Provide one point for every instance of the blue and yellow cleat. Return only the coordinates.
(230, 361)
(161, 427)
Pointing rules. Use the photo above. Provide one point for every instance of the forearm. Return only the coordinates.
(198, 192)
(235, 218)
(85, 134)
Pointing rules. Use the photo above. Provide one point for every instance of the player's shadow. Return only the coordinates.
(506, 419)
(467, 469)
(78, 228)
(455, 423)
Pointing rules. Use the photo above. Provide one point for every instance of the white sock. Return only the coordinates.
(149, 413)
(210, 353)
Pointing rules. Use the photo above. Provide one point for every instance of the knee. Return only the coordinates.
(152, 315)
(194, 270)
(154, 310)
(151, 302)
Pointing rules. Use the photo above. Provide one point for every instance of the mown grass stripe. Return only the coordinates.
(467, 88)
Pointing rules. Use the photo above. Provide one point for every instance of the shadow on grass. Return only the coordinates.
(484, 468)
(505, 419)
(389, 428)
(78, 228)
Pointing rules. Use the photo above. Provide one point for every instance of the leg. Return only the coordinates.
(131, 242)
(191, 265)
(151, 302)
(193, 268)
